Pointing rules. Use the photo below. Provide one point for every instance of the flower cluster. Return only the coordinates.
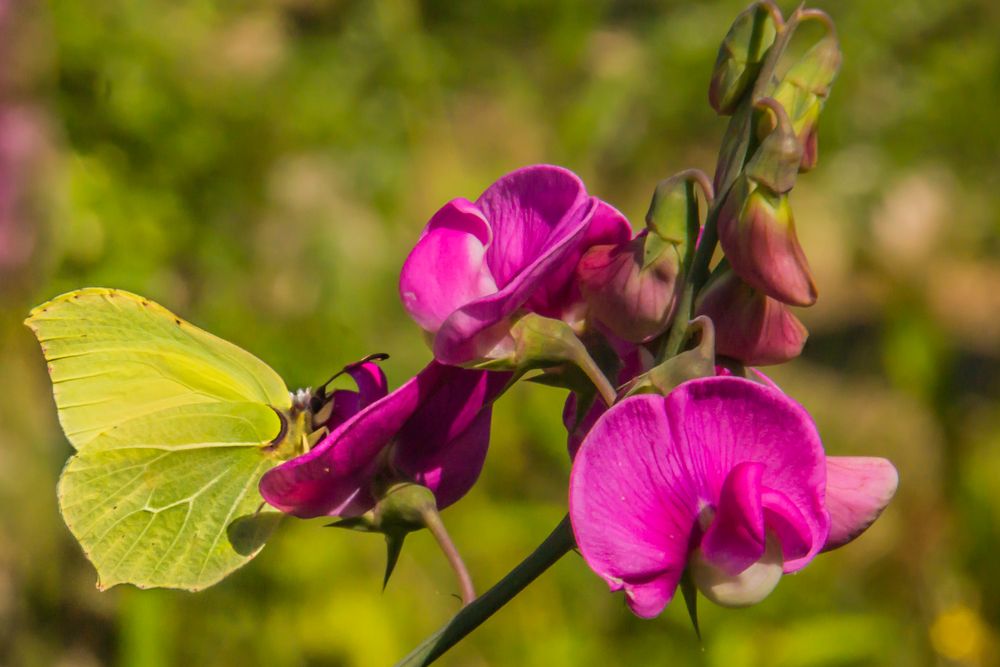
(686, 462)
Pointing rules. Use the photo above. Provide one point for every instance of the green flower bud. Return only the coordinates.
(673, 212)
(776, 161)
(741, 55)
(803, 89)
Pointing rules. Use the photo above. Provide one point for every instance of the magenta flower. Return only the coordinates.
(478, 265)
(724, 475)
(433, 430)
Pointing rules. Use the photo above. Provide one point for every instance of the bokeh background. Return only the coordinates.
(263, 166)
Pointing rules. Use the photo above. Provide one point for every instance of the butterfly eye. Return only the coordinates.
(318, 401)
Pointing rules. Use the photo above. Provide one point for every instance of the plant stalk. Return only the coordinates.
(559, 542)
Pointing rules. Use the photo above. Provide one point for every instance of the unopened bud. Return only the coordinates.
(776, 162)
(741, 55)
(806, 85)
(631, 288)
(750, 326)
(757, 234)
(673, 212)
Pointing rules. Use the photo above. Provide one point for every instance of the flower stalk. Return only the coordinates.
(559, 542)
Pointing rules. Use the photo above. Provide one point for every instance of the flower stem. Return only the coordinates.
(696, 278)
(556, 545)
(433, 523)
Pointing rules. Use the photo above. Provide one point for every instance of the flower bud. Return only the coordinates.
(740, 56)
(805, 87)
(757, 233)
(631, 288)
(775, 163)
(673, 212)
(750, 326)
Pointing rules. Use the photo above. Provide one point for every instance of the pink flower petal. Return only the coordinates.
(516, 248)
(632, 508)
(442, 413)
(531, 211)
(651, 465)
(857, 490)
(447, 267)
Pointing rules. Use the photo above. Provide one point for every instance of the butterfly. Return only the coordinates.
(173, 428)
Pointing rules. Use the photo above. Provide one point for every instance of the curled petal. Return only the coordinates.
(530, 211)
(447, 267)
(735, 539)
(857, 490)
(515, 249)
(724, 421)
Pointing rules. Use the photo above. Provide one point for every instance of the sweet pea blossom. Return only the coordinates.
(433, 430)
(723, 475)
(515, 249)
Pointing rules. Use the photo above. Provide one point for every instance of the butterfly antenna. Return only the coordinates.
(321, 394)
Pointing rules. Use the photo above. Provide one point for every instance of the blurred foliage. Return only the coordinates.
(263, 167)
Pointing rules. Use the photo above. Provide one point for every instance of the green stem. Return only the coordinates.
(696, 278)
(556, 545)
(433, 523)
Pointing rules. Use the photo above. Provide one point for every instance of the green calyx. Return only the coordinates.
(696, 362)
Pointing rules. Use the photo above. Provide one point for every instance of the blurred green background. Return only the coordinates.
(262, 167)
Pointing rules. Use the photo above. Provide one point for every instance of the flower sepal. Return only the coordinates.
(697, 362)
(545, 343)
(402, 508)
